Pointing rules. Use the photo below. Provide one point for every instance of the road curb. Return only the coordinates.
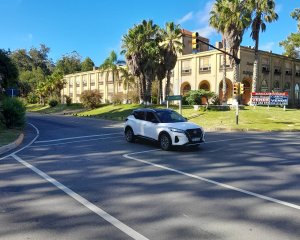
(12, 145)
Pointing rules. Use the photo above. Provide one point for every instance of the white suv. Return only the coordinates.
(163, 125)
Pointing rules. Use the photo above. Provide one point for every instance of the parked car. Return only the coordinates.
(166, 126)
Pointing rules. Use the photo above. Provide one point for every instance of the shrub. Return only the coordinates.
(194, 97)
(133, 97)
(215, 100)
(91, 98)
(117, 98)
(13, 112)
(53, 102)
(68, 100)
(32, 98)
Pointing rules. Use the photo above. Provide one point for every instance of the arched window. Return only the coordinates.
(185, 88)
(204, 85)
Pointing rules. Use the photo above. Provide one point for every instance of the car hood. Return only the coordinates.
(180, 125)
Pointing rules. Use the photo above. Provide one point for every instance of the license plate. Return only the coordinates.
(196, 139)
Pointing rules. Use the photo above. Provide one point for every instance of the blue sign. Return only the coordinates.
(12, 92)
(279, 100)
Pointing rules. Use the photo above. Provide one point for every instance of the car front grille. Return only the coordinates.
(194, 134)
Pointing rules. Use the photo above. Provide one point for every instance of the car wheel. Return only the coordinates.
(165, 142)
(129, 135)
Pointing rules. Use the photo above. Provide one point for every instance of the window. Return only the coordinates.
(77, 82)
(139, 115)
(265, 61)
(227, 59)
(205, 64)
(186, 69)
(169, 116)
(150, 117)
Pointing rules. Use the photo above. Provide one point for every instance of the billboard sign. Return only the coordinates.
(269, 98)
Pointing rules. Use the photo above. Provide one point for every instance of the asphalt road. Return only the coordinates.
(77, 178)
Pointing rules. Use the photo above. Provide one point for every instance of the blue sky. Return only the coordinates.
(93, 28)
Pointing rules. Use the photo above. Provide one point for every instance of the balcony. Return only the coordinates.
(288, 72)
(205, 69)
(228, 67)
(277, 71)
(186, 71)
(265, 69)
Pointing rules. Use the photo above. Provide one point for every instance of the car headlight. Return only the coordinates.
(176, 130)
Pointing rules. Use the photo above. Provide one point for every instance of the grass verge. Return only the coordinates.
(250, 118)
(60, 108)
(8, 135)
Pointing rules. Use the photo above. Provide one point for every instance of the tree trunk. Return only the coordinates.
(127, 91)
(140, 86)
(148, 89)
(224, 99)
(255, 66)
(167, 90)
(160, 96)
(235, 76)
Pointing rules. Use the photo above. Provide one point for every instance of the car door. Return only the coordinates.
(139, 121)
(150, 126)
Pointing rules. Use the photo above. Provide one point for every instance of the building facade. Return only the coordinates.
(204, 70)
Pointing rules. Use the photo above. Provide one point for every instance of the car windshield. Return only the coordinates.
(170, 117)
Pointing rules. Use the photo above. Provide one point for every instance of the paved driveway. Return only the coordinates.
(79, 179)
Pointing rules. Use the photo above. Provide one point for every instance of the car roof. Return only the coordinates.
(152, 110)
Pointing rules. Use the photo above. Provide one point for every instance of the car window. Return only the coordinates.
(170, 117)
(139, 115)
(150, 117)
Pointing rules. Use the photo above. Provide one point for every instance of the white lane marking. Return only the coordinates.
(86, 140)
(109, 218)
(62, 139)
(127, 230)
(291, 205)
(32, 141)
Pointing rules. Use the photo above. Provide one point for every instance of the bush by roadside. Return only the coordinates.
(91, 98)
(13, 113)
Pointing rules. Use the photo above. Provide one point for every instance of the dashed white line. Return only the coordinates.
(291, 205)
(70, 138)
(63, 143)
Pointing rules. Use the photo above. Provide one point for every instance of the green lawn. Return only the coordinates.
(250, 118)
(8, 135)
(60, 108)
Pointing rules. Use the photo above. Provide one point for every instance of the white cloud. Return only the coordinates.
(203, 15)
(185, 18)
(206, 31)
(267, 46)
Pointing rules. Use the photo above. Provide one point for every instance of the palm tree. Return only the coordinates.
(110, 66)
(150, 51)
(128, 79)
(42, 91)
(172, 45)
(141, 50)
(215, 22)
(234, 18)
(131, 45)
(160, 75)
(264, 12)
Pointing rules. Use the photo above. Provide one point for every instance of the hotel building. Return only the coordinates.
(203, 70)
